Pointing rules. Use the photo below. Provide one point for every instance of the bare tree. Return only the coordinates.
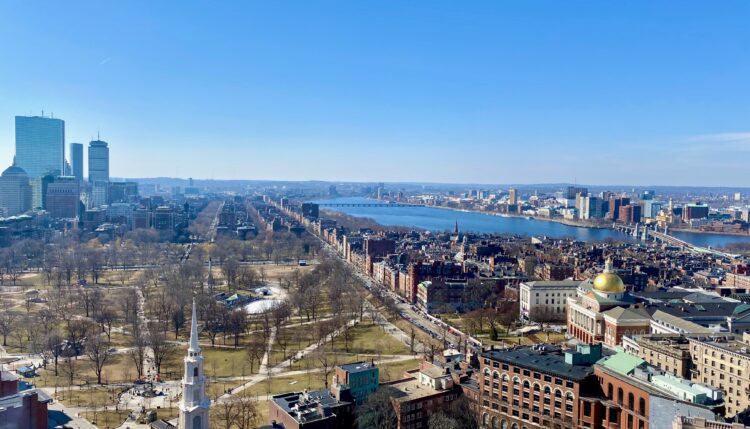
(138, 351)
(255, 349)
(247, 411)
(98, 351)
(106, 317)
(7, 324)
(160, 347)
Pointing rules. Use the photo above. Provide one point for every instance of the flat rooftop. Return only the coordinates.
(411, 389)
(550, 362)
(357, 366)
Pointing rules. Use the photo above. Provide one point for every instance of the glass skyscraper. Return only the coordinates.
(40, 145)
(76, 161)
(40, 149)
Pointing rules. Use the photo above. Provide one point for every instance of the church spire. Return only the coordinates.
(194, 347)
(455, 230)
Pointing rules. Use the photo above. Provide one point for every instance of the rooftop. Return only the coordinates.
(357, 367)
(546, 361)
(308, 406)
(411, 389)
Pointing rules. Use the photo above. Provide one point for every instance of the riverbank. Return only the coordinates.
(428, 219)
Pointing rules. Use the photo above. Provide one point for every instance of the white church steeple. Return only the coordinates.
(194, 404)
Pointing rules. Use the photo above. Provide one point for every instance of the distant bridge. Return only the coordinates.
(646, 233)
(379, 205)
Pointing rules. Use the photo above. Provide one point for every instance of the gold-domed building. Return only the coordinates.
(608, 281)
(601, 312)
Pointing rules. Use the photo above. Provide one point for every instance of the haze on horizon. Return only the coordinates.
(643, 93)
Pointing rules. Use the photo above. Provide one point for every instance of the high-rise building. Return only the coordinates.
(651, 208)
(512, 196)
(592, 208)
(98, 161)
(694, 211)
(614, 206)
(63, 198)
(629, 214)
(76, 161)
(40, 145)
(40, 149)
(648, 194)
(15, 191)
(99, 194)
(572, 191)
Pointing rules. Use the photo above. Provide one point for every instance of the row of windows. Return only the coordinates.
(526, 373)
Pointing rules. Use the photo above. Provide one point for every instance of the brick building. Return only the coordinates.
(538, 387)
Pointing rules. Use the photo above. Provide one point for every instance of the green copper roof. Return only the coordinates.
(621, 362)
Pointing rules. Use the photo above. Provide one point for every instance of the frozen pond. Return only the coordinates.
(262, 305)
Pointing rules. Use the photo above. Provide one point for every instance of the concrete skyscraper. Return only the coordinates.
(76, 161)
(98, 161)
(40, 149)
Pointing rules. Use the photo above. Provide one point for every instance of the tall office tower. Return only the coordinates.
(98, 161)
(512, 196)
(63, 198)
(572, 191)
(15, 191)
(40, 149)
(76, 161)
(648, 194)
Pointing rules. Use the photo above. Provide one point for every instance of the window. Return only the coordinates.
(620, 395)
(631, 401)
(642, 406)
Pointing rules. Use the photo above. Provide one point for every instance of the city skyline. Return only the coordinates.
(357, 92)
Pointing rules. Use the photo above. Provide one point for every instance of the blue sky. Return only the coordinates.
(637, 92)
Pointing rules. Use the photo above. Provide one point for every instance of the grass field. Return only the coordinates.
(285, 383)
(119, 368)
(222, 362)
(91, 397)
(395, 370)
(106, 419)
(370, 339)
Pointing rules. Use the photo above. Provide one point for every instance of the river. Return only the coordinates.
(438, 219)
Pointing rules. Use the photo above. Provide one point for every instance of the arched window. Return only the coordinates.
(505, 377)
(642, 406)
(195, 371)
(536, 387)
(558, 393)
(503, 424)
(495, 375)
(631, 401)
(610, 392)
(516, 380)
(526, 384)
(485, 420)
(514, 426)
(619, 395)
(494, 422)
(547, 390)
(486, 372)
(569, 396)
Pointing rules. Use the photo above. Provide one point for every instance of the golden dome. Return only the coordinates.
(608, 281)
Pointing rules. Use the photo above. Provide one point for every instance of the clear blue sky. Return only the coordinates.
(633, 92)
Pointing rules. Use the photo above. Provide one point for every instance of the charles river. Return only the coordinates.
(438, 219)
